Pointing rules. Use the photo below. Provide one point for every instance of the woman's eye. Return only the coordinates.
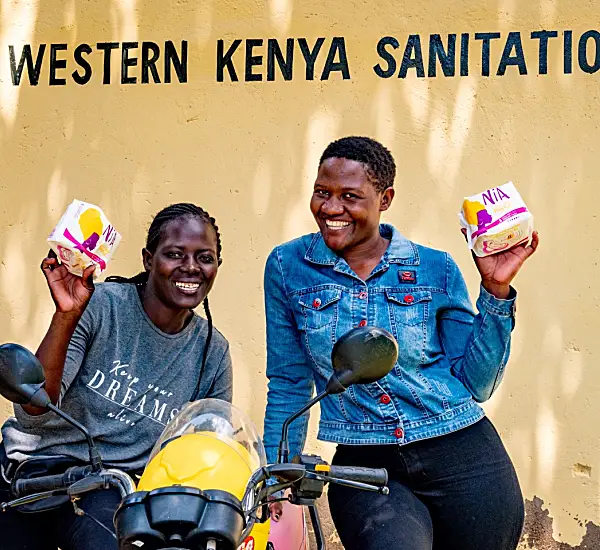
(207, 259)
(321, 192)
(351, 196)
(173, 255)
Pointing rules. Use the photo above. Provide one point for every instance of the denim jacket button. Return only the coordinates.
(399, 433)
(362, 295)
(363, 323)
(409, 299)
(317, 302)
(385, 399)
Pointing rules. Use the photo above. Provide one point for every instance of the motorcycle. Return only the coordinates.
(207, 484)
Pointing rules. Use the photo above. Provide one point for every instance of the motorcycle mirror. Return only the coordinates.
(22, 377)
(22, 382)
(362, 356)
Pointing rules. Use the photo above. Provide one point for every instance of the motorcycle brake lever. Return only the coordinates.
(85, 485)
(347, 483)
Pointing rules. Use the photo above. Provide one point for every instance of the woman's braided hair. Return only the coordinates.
(160, 221)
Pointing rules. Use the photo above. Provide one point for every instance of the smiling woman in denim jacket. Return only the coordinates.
(452, 484)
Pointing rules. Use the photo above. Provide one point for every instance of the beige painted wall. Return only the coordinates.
(248, 151)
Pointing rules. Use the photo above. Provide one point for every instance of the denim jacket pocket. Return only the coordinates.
(319, 308)
(408, 307)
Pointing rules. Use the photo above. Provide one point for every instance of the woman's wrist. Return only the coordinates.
(500, 291)
(66, 318)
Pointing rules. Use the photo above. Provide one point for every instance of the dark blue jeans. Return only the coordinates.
(454, 492)
(61, 528)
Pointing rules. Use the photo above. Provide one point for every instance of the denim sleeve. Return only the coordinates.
(290, 376)
(477, 346)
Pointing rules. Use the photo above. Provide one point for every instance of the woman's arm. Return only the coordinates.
(478, 347)
(290, 377)
(71, 295)
(222, 386)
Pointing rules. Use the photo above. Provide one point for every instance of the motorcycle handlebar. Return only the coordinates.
(24, 487)
(372, 476)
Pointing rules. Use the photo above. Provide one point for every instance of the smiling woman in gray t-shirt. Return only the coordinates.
(122, 358)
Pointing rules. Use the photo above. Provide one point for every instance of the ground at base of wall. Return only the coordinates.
(537, 533)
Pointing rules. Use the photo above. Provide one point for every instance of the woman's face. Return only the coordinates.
(184, 265)
(346, 205)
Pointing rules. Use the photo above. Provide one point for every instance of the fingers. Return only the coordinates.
(276, 509)
(50, 262)
(88, 277)
(532, 247)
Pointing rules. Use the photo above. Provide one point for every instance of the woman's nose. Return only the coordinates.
(190, 265)
(332, 207)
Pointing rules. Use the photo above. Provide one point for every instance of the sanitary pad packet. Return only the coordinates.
(496, 220)
(84, 236)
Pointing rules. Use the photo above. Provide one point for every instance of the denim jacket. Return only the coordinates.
(449, 358)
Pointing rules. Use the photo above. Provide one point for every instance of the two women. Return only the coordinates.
(125, 361)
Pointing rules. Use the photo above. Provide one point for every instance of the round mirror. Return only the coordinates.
(21, 374)
(362, 356)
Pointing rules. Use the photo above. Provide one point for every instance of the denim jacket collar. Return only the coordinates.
(400, 250)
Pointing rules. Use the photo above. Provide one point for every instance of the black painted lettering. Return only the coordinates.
(386, 56)
(568, 52)
(413, 47)
(83, 63)
(33, 71)
(486, 38)
(107, 47)
(338, 47)
(513, 42)
(584, 65)
(274, 54)
(127, 61)
(56, 64)
(179, 63)
(543, 37)
(150, 55)
(224, 60)
(464, 54)
(447, 58)
(253, 60)
(310, 56)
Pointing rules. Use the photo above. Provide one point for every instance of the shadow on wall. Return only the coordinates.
(248, 151)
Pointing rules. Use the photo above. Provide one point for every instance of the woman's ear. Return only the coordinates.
(386, 199)
(147, 259)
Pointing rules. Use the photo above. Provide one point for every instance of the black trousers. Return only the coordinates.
(454, 492)
(61, 527)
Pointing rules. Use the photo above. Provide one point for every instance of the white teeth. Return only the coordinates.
(187, 286)
(336, 225)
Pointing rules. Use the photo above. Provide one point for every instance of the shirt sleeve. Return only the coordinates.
(477, 345)
(290, 376)
(222, 386)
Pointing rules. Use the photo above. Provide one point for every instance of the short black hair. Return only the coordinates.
(378, 161)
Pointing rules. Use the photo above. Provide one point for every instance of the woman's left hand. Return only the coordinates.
(498, 270)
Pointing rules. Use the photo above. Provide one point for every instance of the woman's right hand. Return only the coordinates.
(70, 293)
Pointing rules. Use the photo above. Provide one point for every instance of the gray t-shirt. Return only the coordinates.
(124, 380)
